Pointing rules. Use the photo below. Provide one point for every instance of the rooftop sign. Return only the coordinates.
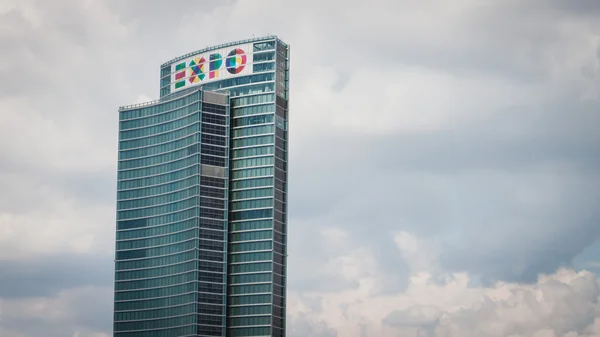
(212, 66)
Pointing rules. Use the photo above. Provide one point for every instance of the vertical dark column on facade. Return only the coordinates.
(212, 224)
(280, 192)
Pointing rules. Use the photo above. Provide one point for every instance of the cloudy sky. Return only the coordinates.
(444, 159)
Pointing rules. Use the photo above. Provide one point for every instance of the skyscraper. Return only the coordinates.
(202, 197)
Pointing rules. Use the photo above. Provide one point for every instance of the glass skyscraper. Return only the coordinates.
(202, 197)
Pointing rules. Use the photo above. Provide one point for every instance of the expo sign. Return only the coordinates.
(207, 67)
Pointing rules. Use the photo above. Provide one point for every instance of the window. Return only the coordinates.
(262, 57)
(259, 46)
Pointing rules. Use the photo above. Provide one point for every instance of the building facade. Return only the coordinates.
(202, 197)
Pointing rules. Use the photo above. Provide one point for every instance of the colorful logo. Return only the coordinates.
(207, 66)
(215, 63)
(236, 60)
(197, 70)
(180, 75)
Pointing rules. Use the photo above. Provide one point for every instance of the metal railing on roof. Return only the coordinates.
(160, 100)
(263, 38)
(138, 105)
(173, 96)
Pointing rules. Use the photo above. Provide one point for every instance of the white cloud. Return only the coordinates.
(419, 254)
(79, 311)
(561, 303)
(64, 229)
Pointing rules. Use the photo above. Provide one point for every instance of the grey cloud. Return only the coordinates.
(47, 276)
(304, 327)
(583, 7)
(18, 44)
(312, 256)
(343, 76)
(509, 40)
(29, 191)
(55, 69)
(43, 55)
(419, 316)
(322, 281)
(463, 150)
(94, 191)
(520, 254)
(84, 310)
(542, 235)
(467, 178)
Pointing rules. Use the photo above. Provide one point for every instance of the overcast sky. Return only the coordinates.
(444, 159)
